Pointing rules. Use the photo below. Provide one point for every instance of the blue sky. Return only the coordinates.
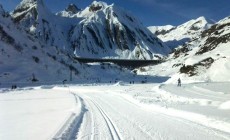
(151, 12)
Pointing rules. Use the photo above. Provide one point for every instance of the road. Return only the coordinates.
(110, 116)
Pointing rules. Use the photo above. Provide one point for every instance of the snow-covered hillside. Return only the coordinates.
(174, 36)
(26, 60)
(34, 17)
(43, 86)
(39, 45)
(22, 56)
(204, 59)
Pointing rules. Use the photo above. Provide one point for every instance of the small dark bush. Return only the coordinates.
(36, 59)
(189, 69)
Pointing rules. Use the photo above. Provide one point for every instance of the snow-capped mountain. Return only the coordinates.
(38, 45)
(38, 21)
(100, 30)
(207, 58)
(36, 42)
(109, 31)
(174, 36)
(23, 58)
(26, 60)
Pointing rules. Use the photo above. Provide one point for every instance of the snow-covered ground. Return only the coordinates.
(117, 111)
(34, 114)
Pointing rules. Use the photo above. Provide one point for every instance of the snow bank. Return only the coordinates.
(35, 114)
(225, 105)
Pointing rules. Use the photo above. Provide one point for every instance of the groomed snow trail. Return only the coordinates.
(117, 112)
(110, 116)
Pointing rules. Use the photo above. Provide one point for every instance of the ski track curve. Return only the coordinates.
(114, 132)
(71, 126)
(109, 122)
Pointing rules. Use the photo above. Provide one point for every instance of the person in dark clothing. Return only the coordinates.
(179, 82)
(64, 81)
(14, 87)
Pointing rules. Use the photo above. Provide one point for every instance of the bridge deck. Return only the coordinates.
(121, 62)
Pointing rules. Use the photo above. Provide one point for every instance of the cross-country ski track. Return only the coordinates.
(140, 112)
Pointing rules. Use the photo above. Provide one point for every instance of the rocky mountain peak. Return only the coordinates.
(32, 1)
(224, 21)
(110, 29)
(97, 5)
(98, 31)
(29, 3)
(200, 23)
(28, 11)
(175, 36)
(72, 8)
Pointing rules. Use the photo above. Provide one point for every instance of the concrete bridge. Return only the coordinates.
(121, 62)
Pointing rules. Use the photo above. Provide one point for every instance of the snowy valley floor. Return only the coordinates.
(197, 111)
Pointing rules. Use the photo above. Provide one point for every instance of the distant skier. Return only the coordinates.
(14, 87)
(63, 82)
(179, 82)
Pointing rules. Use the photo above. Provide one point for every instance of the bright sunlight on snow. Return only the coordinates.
(119, 111)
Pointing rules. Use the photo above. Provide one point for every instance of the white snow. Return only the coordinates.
(225, 105)
(34, 113)
(200, 109)
(173, 36)
(217, 71)
(121, 111)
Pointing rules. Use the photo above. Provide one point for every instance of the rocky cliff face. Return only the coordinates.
(108, 29)
(100, 30)
(36, 44)
(35, 18)
(26, 59)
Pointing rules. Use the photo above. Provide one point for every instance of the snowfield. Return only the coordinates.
(121, 111)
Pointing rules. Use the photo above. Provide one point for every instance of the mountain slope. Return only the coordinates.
(109, 31)
(36, 19)
(207, 58)
(174, 36)
(24, 59)
(70, 11)
(36, 46)
(99, 30)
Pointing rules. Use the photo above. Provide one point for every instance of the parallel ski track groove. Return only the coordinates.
(113, 131)
(134, 124)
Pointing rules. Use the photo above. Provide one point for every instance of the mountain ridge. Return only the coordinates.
(46, 43)
(174, 36)
(205, 58)
(101, 29)
(38, 46)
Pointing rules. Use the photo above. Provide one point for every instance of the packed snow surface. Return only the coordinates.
(117, 111)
